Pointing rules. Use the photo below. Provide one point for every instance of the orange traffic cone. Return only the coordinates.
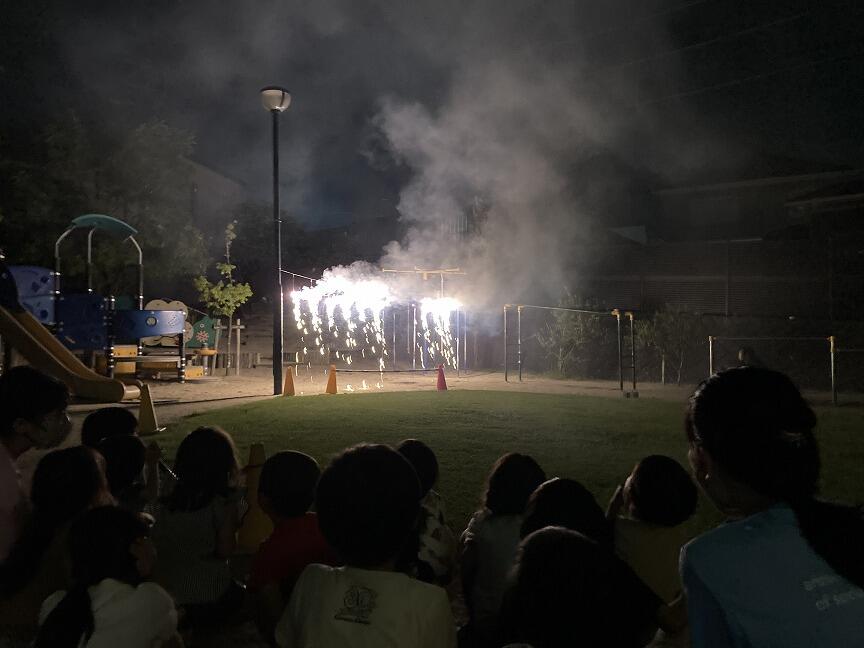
(147, 424)
(256, 525)
(288, 389)
(442, 383)
(331, 381)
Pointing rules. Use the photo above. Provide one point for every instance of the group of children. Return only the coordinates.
(541, 563)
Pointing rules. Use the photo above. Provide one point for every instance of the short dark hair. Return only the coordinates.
(368, 501)
(288, 479)
(566, 503)
(124, 460)
(105, 422)
(512, 480)
(561, 592)
(27, 393)
(424, 461)
(662, 492)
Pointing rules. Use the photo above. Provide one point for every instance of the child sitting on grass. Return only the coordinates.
(435, 555)
(286, 491)
(647, 513)
(490, 541)
(109, 602)
(196, 528)
(99, 430)
(368, 500)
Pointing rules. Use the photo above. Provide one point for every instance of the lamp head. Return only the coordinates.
(275, 98)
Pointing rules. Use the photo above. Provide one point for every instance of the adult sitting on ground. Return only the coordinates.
(788, 569)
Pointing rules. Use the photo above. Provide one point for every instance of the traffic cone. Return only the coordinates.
(256, 525)
(331, 381)
(442, 383)
(147, 424)
(288, 389)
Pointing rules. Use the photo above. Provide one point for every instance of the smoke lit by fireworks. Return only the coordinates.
(345, 318)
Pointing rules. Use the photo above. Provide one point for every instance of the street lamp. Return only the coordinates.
(276, 100)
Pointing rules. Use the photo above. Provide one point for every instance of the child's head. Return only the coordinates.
(561, 590)
(124, 461)
(106, 422)
(67, 482)
(287, 484)
(751, 425)
(110, 542)
(368, 500)
(424, 461)
(206, 466)
(105, 542)
(33, 406)
(660, 491)
(512, 480)
(566, 503)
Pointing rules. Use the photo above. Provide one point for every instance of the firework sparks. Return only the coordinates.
(345, 318)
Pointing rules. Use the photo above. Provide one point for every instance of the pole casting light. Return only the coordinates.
(276, 99)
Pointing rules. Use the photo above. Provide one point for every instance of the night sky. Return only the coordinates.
(673, 90)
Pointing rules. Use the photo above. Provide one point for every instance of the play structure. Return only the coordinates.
(23, 332)
(51, 328)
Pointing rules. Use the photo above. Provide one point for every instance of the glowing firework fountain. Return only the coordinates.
(435, 321)
(341, 319)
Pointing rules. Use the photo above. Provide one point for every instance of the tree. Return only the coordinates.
(140, 176)
(225, 296)
(673, 331)
(575, 342)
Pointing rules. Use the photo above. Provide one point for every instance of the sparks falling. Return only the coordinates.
(435, 319)
(343, 319)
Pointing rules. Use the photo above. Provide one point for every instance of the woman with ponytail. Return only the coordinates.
(109, 604)
(787, 569)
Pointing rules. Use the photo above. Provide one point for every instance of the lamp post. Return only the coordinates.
(276, 99)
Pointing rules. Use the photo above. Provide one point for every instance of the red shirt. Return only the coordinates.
(294, 543)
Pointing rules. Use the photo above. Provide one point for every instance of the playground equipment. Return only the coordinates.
(620, 336)
(88, 322)
(25, 333)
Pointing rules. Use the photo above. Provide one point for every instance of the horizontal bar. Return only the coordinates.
(558, 308)
(776, 339)
(383, 371)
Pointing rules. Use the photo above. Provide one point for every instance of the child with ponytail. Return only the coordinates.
(109, 602)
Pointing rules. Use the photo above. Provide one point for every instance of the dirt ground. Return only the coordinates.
(174, 400)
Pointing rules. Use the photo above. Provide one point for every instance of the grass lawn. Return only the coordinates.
(593, 439)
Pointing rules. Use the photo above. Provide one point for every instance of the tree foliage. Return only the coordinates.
(576, 344)
(674, 332)
(140, 176)
(225, 296)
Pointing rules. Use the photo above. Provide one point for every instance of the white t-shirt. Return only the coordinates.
(123, 615)
(757, 583)
(359, 608)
